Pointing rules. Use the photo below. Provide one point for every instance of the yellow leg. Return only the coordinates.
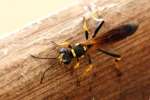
(117, 66)
(116, 63)
(93, 11)
(85, 28)
(63, 44)
(95, 16)
(77, 65)
(86, 72)
(85, 24)
(88, 69)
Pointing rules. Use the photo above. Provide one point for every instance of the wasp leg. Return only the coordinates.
(43, 75)
(66, 43)
(90, 67)
(78, 81)
(63, 44)
(77, 65)
(100, 21)
(94, 13)
(87, 70)
(117, 67)
(98, 28)
(110, 53)
(116, 61)
(85, 28)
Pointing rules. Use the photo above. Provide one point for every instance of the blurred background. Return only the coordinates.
(15, 14)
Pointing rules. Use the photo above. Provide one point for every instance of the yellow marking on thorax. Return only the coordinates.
(60, 57)
(73, 52)
(84, 48)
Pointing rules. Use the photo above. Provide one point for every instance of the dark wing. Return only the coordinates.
(118, 33)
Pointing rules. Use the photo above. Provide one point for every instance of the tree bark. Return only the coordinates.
(20, 73)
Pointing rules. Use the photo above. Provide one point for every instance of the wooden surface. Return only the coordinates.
(20, 74)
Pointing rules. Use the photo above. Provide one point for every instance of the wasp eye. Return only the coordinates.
(63, 50)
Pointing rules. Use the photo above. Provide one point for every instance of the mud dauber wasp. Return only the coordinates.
(75, 51)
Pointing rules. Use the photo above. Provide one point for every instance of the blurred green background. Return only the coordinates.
(14, 14)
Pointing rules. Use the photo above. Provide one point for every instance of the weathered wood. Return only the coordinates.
(20, 73)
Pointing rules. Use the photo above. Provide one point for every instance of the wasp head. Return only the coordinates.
(65, 55)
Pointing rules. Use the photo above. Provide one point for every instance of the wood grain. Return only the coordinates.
(20, 73)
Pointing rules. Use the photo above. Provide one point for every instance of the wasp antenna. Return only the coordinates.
(42, 57)
(44, 75)
(54, 43)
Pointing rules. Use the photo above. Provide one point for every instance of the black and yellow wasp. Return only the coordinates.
(74, 51)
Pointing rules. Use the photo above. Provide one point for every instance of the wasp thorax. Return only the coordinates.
(79, 50)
